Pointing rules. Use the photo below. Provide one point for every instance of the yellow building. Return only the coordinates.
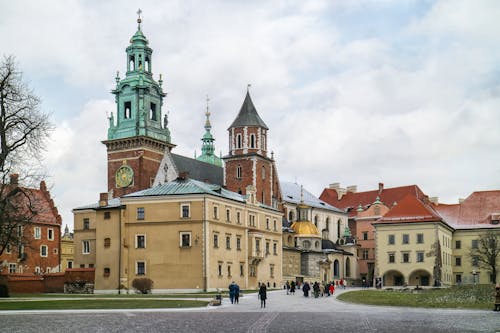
(67, 250)
(184, 235)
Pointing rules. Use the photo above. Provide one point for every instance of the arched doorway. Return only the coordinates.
(336, 270)
(394, 278)
(420, 277)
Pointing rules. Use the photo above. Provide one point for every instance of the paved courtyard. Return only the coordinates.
(284, 313)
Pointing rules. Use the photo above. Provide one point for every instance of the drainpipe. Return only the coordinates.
(204, 246)
(119, 250)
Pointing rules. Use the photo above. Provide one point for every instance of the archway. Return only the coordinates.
(420, 277)
(394, 278)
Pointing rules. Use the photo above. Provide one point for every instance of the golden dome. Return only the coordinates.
(305, 228)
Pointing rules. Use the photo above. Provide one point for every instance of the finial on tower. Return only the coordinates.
(248, 86)
(301, 193)
(139, 20)
(207, 114)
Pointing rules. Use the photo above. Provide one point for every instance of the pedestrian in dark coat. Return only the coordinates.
(263, 295)
(287, 287)
(292, 288)
(305, 289)
(236, 293)
(232, 291)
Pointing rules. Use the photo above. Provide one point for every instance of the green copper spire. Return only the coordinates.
(208, 148)
(138, 97)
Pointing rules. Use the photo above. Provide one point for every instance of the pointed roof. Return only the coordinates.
(410, 209)
(248, 115)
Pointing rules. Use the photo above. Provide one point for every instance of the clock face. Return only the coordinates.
(124, 176)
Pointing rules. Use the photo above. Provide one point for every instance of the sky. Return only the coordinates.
(356, 92)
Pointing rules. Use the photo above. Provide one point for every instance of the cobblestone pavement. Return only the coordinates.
(283, 313)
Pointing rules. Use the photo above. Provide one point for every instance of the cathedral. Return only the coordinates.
(194, 224)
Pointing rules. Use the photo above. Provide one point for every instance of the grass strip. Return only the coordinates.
(46, 304)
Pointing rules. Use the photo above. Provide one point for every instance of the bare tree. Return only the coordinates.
(487, 252)
(24, 129)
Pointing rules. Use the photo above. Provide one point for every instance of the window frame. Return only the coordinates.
(391, 239)
(37, 233)
(215, 239)
(420, 238)
(86, 223)
(85, 246)
(420, 255)
(391, 257)
(140, 213)
(138, 238)
(42, 248)
(182, 211)
(405, 239)
(50, 234)
(143, 262)
(181, 239)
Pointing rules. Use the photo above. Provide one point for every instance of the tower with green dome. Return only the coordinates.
(208, 147)
(138, 133)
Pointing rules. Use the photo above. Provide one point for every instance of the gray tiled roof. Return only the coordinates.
(291, 194)
(187, 186)
(113, 203)
(248, 115)
(199, 170)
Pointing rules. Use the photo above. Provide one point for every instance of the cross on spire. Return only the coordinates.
(139, 20)
(207, 113)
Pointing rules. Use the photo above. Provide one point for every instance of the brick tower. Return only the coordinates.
(137, 141)
(247, 163)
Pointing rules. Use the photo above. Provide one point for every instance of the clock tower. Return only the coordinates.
(138, 136)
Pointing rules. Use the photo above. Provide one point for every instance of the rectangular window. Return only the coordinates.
(406, 257)
(70, 264)
(420, 256)
(86, 224)
(107, 215)
(229, 270)
(251, 220)
(420, 238)
(216, 240)
(271, 270)
(274, 225)
(257, 245)
(365, 235)
(365, 254)
(391, 239)
(85, 247)
(267, 248)
(458, 244)
(38, 233)
(238, 217)
(219, 269)
(90, 266)
(267, 223)
(228, 242)
(458, 261)
(275, 248)
(140, 268)
(475, 261)
(140, 241)
(242, 271)
(185, 211)
(474, 244)
(216, 212)
(50, 234)
(406, 239)
(140, 213)
(238, 243)
(12, 268)
(458, 278)
(43, 251)
(228, 215)
(8, 249)
(107, 242)
(392, 258)
(185, 239)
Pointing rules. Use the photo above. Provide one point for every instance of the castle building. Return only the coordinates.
(35, 248)
(248, 162)
(67, 250)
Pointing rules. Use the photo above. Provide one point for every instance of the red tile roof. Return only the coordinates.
(410, 209)
(387, 195)
(479, 208)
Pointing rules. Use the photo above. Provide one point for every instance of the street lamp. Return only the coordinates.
(474, 275)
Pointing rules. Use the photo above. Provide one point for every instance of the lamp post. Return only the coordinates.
(474, 275)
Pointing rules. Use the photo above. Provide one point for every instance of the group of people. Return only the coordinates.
(318, 288)
(234, 293)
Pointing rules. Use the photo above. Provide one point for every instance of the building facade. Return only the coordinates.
(67, 250)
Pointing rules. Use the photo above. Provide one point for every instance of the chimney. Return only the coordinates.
(183, 175)
(352, 188)
(14, 179)
(434, 200)
(334, 186)
(380, 187)
(461, 200)
(103, 199)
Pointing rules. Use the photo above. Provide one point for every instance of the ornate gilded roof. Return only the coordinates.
(305, 228)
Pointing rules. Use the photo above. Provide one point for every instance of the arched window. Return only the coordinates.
(336, 272)
(316, 245)
(347, 267)
(140, 62)
(263, 142)
(263, 172)
(127, 112)
(252, 140)
(131, 63)
(147, 63)
(338, 228)
(306, 244)
(238, 141)
(327, 224)
(152, 112)
(290, 216)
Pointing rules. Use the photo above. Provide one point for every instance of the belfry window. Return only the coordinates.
(127, 110)
(238, 141)
(252, 141)
(140, 62)
(131, 63)
(148, 64)
(152, 112)
(238, 172)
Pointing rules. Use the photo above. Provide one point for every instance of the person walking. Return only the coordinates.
(263, 295)
(316, 289)
(287, 286)
(292, 288)
(232, 291)
(332, 288)
(305, 289)
(236, 293)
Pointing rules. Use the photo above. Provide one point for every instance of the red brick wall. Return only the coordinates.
(80, 274)
(232, 182)
(23, 283)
